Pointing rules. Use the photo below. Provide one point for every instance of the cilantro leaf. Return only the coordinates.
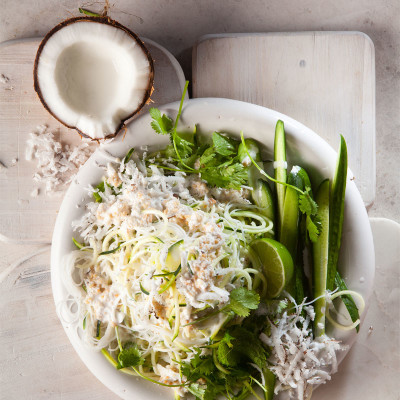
(184, 147)
(208, 157)
(226, 175)
(249, 345)
(198, 367)
(224, 145)
(227, 354)
(309, 207)
(243, 300)
(130, 356)
(161, 123)
(197, 390)
(238, 346)
(307, 204)
(314, 226)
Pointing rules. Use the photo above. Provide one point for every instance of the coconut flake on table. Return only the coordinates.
(56, 164)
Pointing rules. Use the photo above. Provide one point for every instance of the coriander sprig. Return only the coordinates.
(219, 163)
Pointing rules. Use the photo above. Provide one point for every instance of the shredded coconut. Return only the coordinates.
(57, 164)
(299, 360)
(35, 192)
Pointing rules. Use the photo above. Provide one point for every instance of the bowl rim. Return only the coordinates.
(105, 372)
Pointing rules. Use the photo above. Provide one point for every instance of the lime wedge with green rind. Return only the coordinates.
(277, 264)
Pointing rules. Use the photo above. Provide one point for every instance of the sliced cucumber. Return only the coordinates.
(261, 193)
(280, 171)
(320, 258)
(263, 198)
(336, 217)
(337, 213)
(289, 234)
(173, 259)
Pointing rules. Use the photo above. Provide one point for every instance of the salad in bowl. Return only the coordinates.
(205, 267)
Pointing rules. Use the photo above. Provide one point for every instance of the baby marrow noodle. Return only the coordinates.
(127, 276)
(166, 282)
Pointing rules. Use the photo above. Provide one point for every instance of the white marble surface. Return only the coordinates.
(177, 24)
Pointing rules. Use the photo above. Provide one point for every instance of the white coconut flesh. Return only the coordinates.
(92, 76)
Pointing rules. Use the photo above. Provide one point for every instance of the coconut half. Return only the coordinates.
(92, 74)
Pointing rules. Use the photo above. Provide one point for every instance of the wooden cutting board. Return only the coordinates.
(326, 80)
(23, 217)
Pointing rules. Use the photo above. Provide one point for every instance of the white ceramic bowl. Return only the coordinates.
(304, 148)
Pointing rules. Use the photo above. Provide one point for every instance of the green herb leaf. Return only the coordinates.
(184, 147)
(309, 207)
(240, 345)
(243, 300)
(197, 390)
(314, 226)
(162, 124)
(208, 157)
(198, 367)
(130, 356)
(226, 353)
(249, 345)
(226, 175)
(100, 188)
(307, 204)
(224, 145)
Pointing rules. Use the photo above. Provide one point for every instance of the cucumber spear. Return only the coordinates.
(289, 234)
(320, 258)
(336, 216)
(337, 213)
(280, 170)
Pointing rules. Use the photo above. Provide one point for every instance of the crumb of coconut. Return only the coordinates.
(14, 161)
(370, 329)
(56, 163)
(22, 202)
(4, 79)
(35, 192)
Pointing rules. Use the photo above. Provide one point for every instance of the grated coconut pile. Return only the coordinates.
(299, 360)
(56, 164)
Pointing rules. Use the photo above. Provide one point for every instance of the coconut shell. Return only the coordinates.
(101, 20)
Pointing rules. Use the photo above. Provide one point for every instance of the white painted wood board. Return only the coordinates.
(326, 80)
(22, 216)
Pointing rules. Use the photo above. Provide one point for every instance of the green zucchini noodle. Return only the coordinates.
(155, 259)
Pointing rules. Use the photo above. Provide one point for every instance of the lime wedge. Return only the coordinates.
(277, 264)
